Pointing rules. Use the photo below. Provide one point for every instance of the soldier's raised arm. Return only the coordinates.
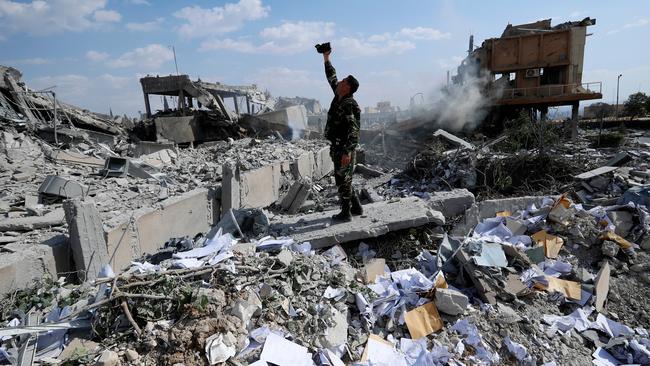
(330, 71)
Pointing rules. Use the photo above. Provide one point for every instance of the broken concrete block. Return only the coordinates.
(452, 203)
(296, 196)
(450, 301)
(55, 186)
(622, 220)
(337, 333)
(285, 257)
(54, 218)
(87, 240)
(108, 358)
(610, 248)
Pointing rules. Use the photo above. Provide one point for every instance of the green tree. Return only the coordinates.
(635, 105)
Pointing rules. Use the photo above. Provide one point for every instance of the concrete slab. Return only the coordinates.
(22, 264)
(379, 219)
(596, 172)
(452, 203)
(147, 230)
(54, 218)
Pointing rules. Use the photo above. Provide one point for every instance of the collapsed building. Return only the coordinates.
(202, 111)
(208, 241)
(532, 66)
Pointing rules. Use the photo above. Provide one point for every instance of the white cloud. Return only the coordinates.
(229, 44)
(640, 22)
(150, 57)
(40, 17)
(116, 82)
(107, 16)
(28, 61)
(202, 22)
(151, 26)
(140, 2)
(422, 33)
(69, 85)
(122, 94)
(287, 38)
(636, 23)
(282, 81)
(357, 47)
(96, 56)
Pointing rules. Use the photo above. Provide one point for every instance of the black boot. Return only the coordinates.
(356, 209)
(345, 214)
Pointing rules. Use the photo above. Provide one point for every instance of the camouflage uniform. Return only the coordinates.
(342, 130)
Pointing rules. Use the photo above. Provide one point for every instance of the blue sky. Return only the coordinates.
(94, 51)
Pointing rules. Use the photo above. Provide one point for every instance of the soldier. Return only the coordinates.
(342, 130)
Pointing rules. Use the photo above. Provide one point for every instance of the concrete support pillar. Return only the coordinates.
(543, 114)
(147, 105)
(181, 102)
(575, 107)
(236, 104)
(87, 240)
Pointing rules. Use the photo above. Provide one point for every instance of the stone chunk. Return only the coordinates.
(296, 196)
(610, 248)
(108, 358)
(131, 355)
(450, 301)
(87, 240)
(623, 220)
(285, 257)
(59, 187)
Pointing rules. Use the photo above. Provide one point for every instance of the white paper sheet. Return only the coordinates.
(283, 352)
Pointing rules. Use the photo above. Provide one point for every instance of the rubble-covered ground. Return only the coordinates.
(548, 266)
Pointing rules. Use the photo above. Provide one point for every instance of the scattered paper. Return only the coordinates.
(373, 268)
(516, 349)
(282, 352)
(570, 289)
(381, 353)
(335, 254)
(217, 351)
(552, 244)
(334, 293)
(604, 358)
(492, 255)
(423, 320)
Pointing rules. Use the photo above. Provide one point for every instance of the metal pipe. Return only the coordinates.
(56, 138)
(618, 80)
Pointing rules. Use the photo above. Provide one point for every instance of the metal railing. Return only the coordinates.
(550, 90)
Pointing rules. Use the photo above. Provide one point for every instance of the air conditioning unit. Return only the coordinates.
(532, 73)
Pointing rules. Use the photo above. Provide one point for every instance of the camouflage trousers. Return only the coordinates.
(343, 174)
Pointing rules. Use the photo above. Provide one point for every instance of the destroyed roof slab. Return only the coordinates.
(379, 219)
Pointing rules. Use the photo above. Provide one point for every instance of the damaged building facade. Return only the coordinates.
(532, 66)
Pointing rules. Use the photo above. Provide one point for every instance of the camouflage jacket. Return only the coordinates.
(343, 118)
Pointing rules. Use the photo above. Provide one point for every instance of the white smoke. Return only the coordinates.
(463, 105)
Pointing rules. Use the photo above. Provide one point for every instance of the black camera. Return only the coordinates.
(323, 47)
